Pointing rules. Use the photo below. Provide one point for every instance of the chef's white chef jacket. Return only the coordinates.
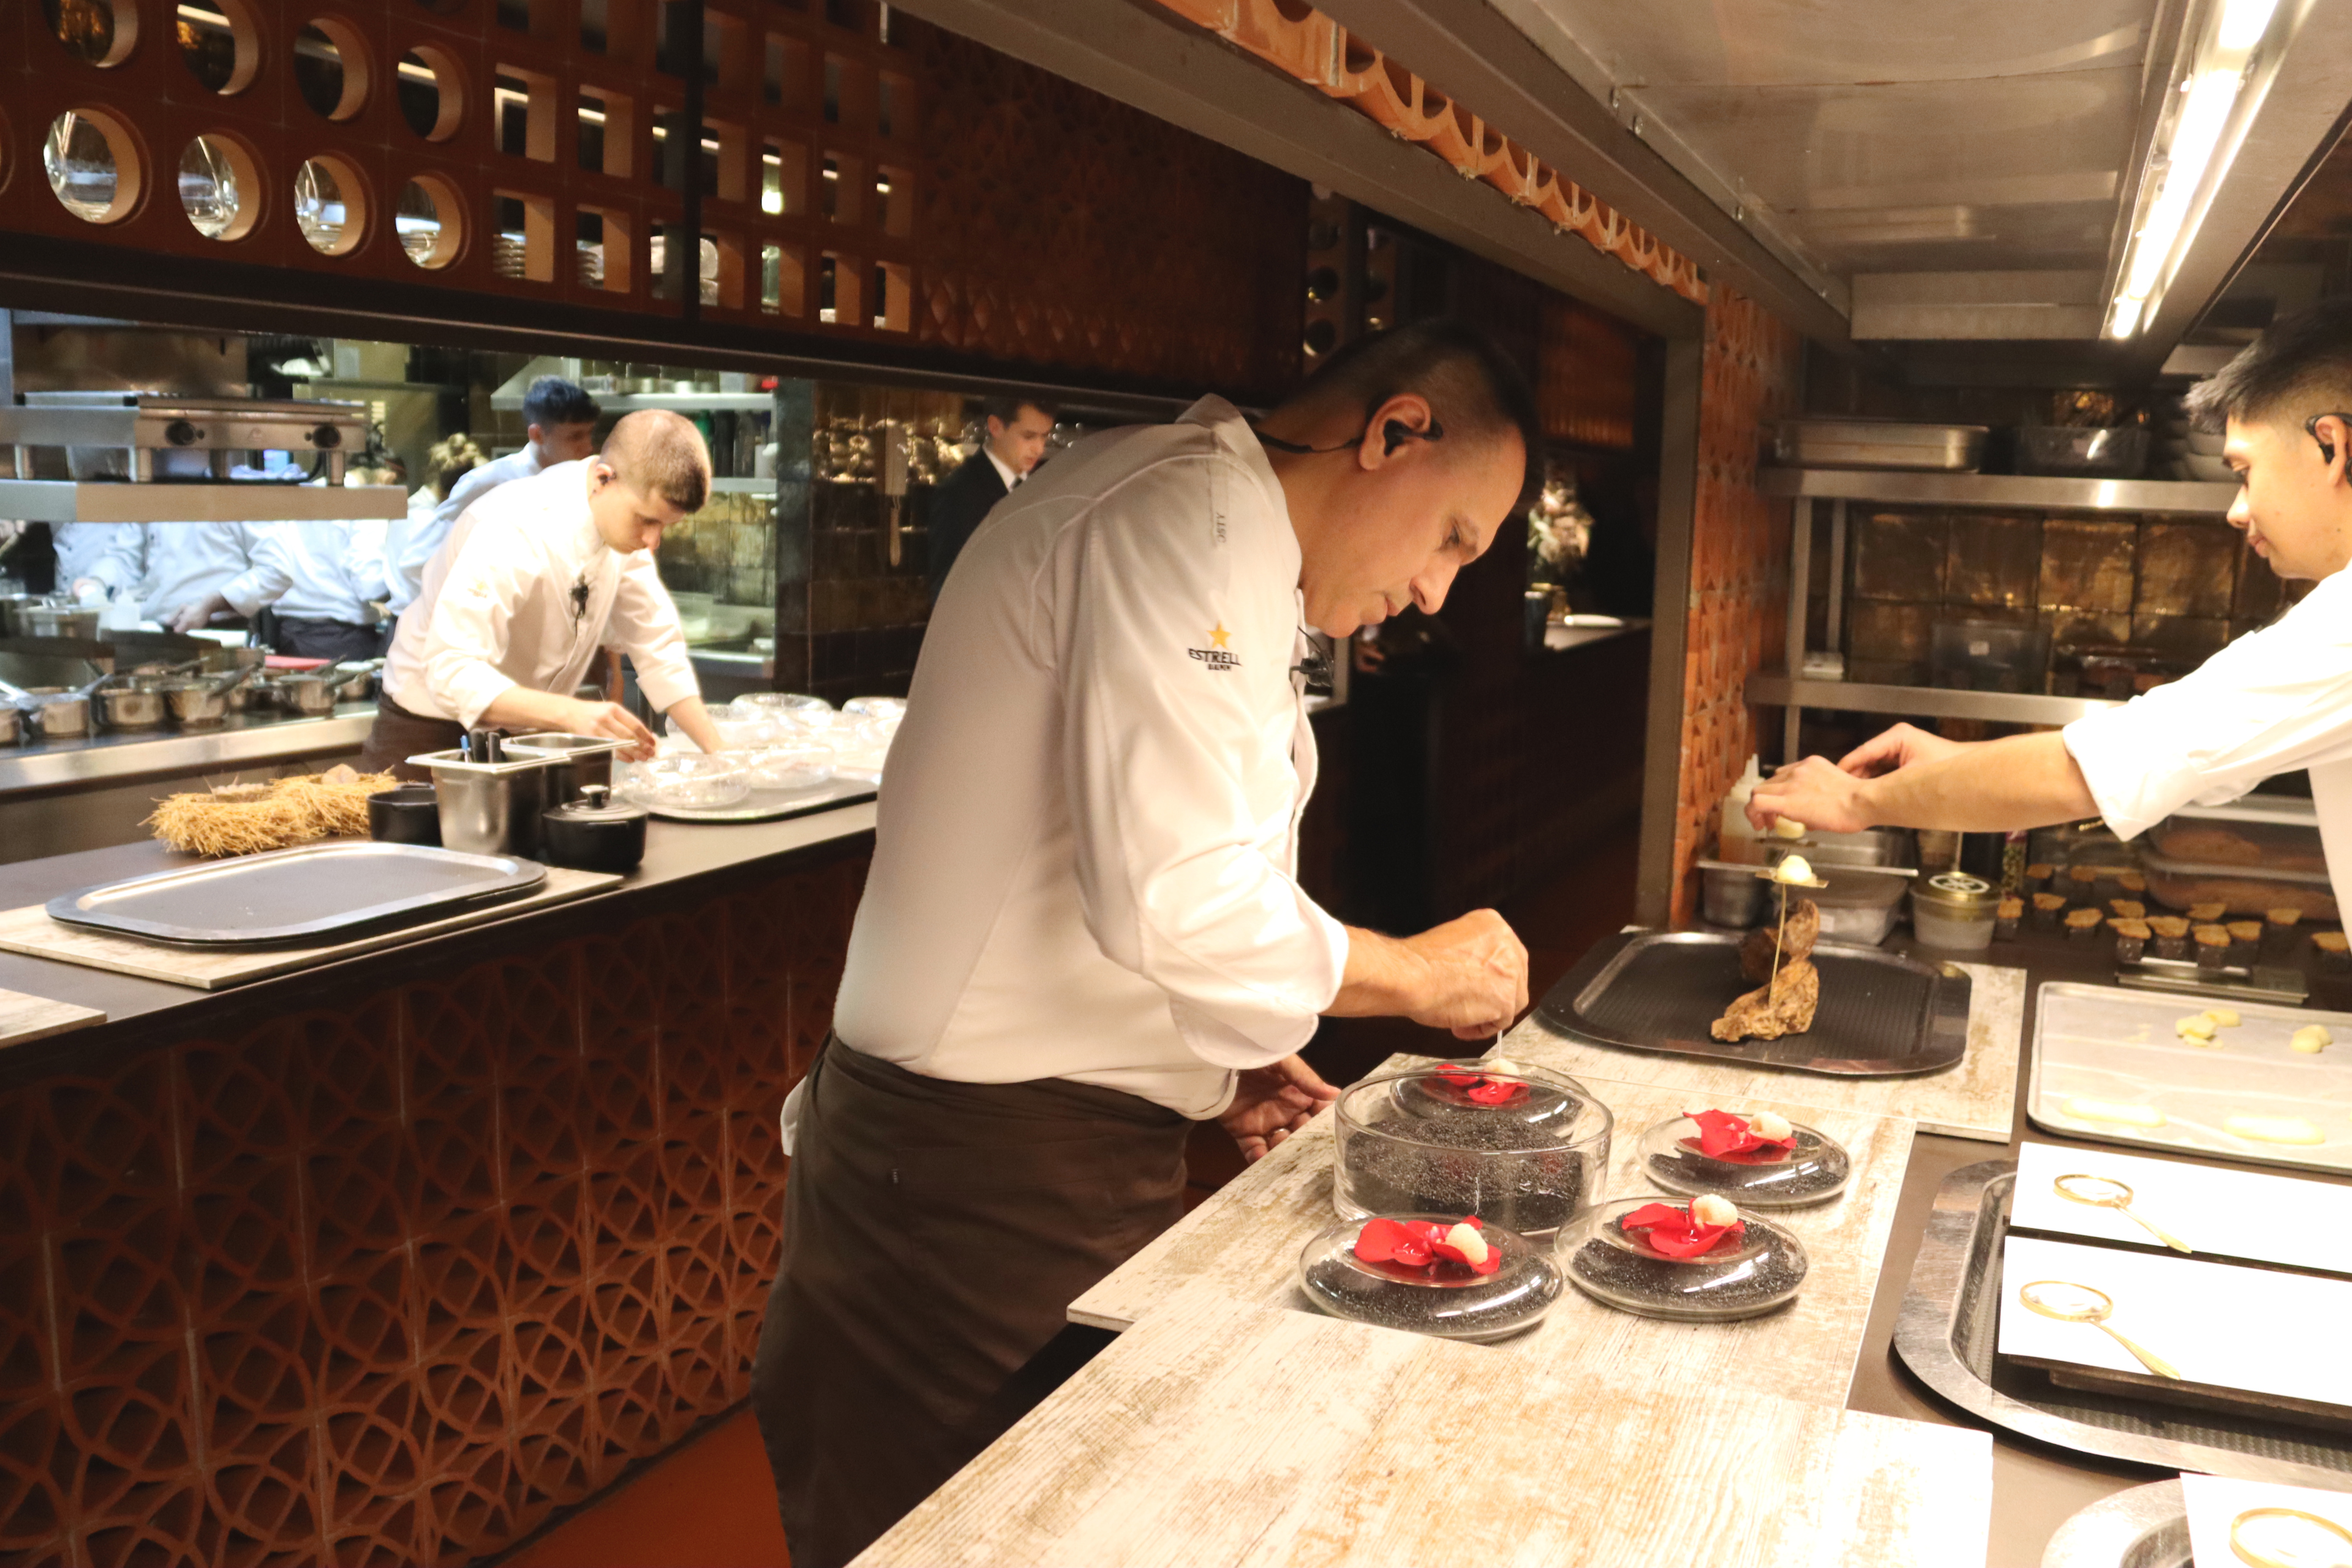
(2273, 701)
(1086, 856)
(424, 535)
(173, 565)
(330, 569)
(525, 594)
(81, 546)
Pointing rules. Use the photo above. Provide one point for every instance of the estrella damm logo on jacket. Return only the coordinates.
(1215, 655)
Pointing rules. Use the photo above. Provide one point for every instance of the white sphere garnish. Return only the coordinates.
(1491, 1066)
(1714, 1210)
(1769, 1124)
(2311, 1039)
(1793, 869)
(1787, 827)
(1466, 1239)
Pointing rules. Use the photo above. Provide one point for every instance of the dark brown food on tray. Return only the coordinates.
(1797, 939)
(1788, 1010)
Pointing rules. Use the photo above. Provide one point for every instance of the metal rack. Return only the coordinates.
(1796, 686)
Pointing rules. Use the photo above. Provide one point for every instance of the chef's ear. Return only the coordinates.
(1402, 419)
(2334, 437)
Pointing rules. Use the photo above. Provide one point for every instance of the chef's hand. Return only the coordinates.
(198, 616)
(1835, 796)
(1270, 1103)
(1897, 747)
(614, 723)
(1476, 976)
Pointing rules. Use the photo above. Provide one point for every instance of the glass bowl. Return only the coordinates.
(687, 780)
(889, 710)
(789, 765)
(778, 704)
(1453, 1304)
(1417, 1142)
(1814, 1172)
(1757, 1273)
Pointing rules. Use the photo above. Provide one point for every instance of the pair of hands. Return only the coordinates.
(612, 722)
(1835, 796)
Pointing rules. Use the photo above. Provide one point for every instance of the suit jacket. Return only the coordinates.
(958, 505)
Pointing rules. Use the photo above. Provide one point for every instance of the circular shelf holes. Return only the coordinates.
(431, 221)
(92, 163)
(220, 186)
(220, 40)
(331, 206)
(432, 92)
(331, 67)
(98, 32)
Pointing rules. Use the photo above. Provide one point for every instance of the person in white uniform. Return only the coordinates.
(561, 429)
(189, 574)
(81, 546)
(2273, 701)
(538, 577)
(1083, 930)
(332, 573)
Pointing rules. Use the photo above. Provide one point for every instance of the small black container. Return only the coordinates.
(593, 833)
(404, 814)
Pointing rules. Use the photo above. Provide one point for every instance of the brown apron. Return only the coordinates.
(934, 1233)
(399, 735)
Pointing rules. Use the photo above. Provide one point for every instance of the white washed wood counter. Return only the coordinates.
(1245, 1242)
(1221, 1432)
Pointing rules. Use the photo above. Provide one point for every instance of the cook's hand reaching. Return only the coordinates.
(1270, 1103)
(614, 723)
(1897, 747)
(1476, 982)
(1835, 796)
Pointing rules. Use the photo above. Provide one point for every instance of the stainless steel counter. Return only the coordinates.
(119, 756)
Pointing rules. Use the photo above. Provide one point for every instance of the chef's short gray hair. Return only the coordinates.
(2301, 366)
(659, 453)
(1475, 392)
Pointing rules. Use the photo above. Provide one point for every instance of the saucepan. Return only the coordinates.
(201, 704)
(56, 714)
(125, 703)
(313, 692)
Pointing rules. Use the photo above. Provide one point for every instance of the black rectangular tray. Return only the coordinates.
(1882, 1015)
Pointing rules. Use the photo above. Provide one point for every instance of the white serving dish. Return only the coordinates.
(2206, 1207)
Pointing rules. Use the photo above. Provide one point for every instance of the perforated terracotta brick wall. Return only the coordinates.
(391, 1277)
(1753, 374)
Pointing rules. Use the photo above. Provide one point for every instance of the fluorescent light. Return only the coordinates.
(2244, 22)
(2124, 320)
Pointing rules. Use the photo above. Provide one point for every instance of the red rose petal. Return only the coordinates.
(1457, 1075)
(1720, 1133)
(1379, 1240)
(1650, 1215)
(1497, 1090)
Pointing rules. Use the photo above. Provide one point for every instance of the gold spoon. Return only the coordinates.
(2106, 1193)
(2289, 1538)
(2071, 1303)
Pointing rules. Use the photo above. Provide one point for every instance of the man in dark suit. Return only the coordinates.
(1017, 428)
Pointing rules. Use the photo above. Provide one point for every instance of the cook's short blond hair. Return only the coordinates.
(657, 453)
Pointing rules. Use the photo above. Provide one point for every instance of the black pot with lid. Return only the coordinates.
(593, 833)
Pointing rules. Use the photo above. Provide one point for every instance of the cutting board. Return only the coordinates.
(1219, 1432)
(2260, 1331)
(24, 1017)
(1976, 1099)
(31, 931)
(1247, 1239)
(2218, 1212)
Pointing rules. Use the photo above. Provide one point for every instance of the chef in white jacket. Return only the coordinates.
(561, 428)
(1083, 930)
(2275, 699)
(189, 574)
(538, 578)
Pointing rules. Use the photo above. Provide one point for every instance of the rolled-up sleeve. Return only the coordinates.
(1182, 789)
(2272, 701)
(473, 623)
(269, 568)
(645, 625)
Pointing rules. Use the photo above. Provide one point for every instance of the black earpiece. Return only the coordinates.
(1394, 434)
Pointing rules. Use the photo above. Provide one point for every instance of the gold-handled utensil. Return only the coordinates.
(2289, 1538)
(2071, 1303)
(2106, 1193)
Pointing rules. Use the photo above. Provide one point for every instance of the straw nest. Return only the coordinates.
(247, 819)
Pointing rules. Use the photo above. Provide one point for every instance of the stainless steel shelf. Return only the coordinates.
(2167, 497)
(1773, 688)
(242, 741)
(65, 501)
(684, 402)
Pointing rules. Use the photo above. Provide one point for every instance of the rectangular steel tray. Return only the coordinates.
(2197, 1090)
(308, 894)
(1882, 1015)
(1951, 1319)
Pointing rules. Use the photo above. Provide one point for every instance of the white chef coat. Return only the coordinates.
(81, 546)
(330, 569)
(1085, 859)
(424, 537)
(173, 565)
(2273, 701)
(498, 607)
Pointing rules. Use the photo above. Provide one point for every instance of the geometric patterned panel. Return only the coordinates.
(394, 1279)
(1752, 374)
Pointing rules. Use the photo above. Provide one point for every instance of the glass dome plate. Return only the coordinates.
(1743, 1276)
(1449, 1301)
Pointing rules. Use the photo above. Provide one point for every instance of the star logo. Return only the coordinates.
(1220, 637)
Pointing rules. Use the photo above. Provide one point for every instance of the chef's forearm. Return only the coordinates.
(521, 707)
(1384, 979)
(689, 715)
(2023, 781)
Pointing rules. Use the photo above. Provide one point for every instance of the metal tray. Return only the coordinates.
(1951, 1319)
(314, 893)
(1878, 444)
(2143, 1527)
(773, 805)
(1882, 1015)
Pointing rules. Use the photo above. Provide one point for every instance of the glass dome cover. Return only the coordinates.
(1519, 1146)
(1812, 1168)
(1447, 1299)
(1750, 1269)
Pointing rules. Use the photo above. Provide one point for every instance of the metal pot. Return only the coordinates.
(15, 724)
(595, 833)
(14, 609)
(574, 763)
(133, 707)
(61, 715)
(60, 621)
(487, 808)
(201, 704)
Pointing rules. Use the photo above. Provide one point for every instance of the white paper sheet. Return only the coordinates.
(2220, 1323)
(2218, 1212)
(2215, 1501)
